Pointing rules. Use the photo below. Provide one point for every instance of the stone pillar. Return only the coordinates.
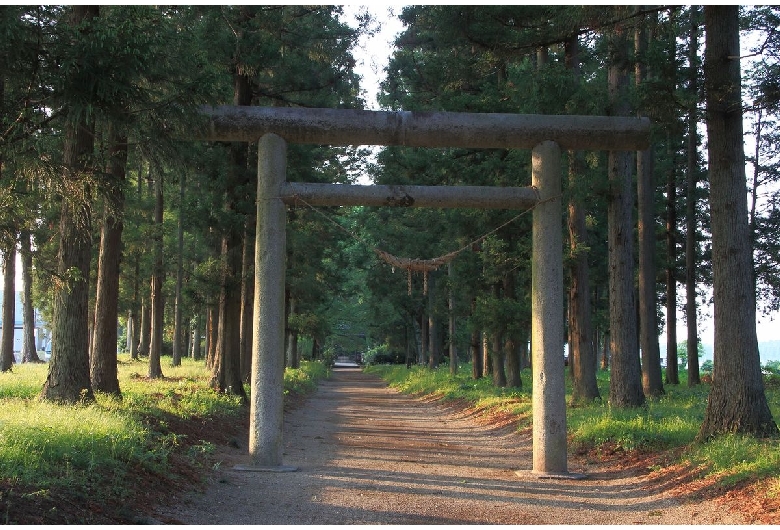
(549, 390)
(266, 412)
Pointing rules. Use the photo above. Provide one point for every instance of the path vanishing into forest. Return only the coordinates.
(369, 455)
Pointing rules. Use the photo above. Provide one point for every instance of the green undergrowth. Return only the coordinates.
(96, 448)
(668, 423)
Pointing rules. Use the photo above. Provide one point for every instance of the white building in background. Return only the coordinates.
(42, 332)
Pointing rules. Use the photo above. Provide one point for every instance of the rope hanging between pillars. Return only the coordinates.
(424, 266)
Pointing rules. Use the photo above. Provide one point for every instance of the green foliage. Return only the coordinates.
(382, 354)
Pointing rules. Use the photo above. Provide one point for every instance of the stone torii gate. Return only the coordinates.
(273, 128)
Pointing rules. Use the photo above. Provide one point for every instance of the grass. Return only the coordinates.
(94, 450)
(670, 422)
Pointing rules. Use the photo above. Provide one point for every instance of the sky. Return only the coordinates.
(372, 57)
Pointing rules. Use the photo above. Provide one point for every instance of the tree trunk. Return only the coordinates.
(292, 336)
(434, 348)
(145, 331)
(247, 298)
(9, 308)
(157, 304)
(497, 360)
(197, 352)
(212, 332)
(133, 317)
(451, 324)
(652, 381)
(474, 347)
(672, 377)
(423, 337)
(690, 211)
(582, 355)
(29, 348)
(178, 332)
(487, 364)
(68, 377)
(737, 402)
(103, 358)
(511, 352)
(625, 389)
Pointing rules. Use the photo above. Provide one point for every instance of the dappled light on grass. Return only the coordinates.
(98, 449)
(50, 443)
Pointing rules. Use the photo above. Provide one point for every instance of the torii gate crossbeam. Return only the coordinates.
(272, 128)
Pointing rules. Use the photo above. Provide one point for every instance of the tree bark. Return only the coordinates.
(625, 389)
(197, 352)
(423, 337)
(9, 308)
(29, 348)
(68, 377)
(157, 303)
(475, 349)
(511, 351)
(145, 331)
(451, 322)
(292, 336)
(690, 210)
(737, 402)
(178, 332)
(672, 376)
(103, 357)
(497, 350)
(434, 348)
(247, 298)
(228, 353)
(582, 354)
(652, 381)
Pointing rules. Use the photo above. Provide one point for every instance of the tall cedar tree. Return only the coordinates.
(692, 149)
(625, 386)
(9, 306)
(29, 348)
(737, 402)
(103, 358)
(582, 353)
(652, 382)
(68, 378)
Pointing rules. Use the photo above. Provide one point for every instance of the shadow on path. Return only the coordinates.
(369, 455)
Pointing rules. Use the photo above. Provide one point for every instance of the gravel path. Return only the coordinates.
(369, 455)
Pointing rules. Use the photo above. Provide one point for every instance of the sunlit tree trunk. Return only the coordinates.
(247, 299)
(145, 331)
(68, 378)
(103, 357)
(672, 376)
(625, 377)
(652, 381)
(9, 308)
(157, 304)
(690, 209)
(475, 348)
(178, 331)
(737, 402)
(29, 349)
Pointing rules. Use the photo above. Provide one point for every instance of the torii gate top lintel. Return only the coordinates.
(426, 129)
